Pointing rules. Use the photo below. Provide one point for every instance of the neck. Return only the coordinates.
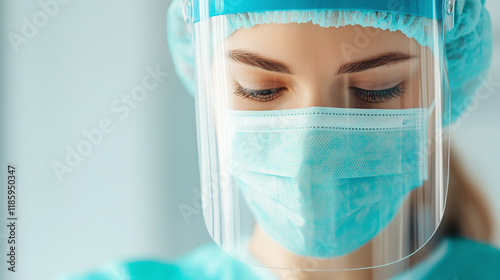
(271, 254)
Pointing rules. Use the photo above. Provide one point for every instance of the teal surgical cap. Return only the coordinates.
(468, 46)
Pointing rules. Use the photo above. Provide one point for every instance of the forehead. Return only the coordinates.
(313, 42)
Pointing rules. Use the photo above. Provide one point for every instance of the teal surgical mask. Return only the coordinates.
(323, 182)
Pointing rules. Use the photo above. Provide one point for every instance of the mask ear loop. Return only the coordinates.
(432, 107)
(426, 118)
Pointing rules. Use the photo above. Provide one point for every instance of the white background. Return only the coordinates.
(121, 202)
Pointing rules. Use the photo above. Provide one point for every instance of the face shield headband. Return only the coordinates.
(200, 10)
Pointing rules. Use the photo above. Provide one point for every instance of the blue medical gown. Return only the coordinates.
(455, 258)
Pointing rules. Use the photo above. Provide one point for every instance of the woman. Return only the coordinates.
(323, 141)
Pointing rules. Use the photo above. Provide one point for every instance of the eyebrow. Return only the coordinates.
(374, 62)
(255, 60)
(259, 61)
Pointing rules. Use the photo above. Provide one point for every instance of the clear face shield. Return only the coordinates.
(320, 129)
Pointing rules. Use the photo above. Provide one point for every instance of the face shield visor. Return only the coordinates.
(320, 128)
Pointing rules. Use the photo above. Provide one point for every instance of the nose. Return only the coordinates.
(320, 96)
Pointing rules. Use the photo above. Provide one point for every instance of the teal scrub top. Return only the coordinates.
(455, 258)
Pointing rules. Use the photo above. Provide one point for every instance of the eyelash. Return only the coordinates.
(371, 96)
(379, 96)
(264, 95)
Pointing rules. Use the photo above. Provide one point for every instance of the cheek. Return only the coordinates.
(242, 104)
(419, 91)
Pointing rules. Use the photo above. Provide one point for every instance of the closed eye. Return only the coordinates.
(263, 95)
(378, 96)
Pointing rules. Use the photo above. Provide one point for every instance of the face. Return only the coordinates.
(290, 66)
(362, 159)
